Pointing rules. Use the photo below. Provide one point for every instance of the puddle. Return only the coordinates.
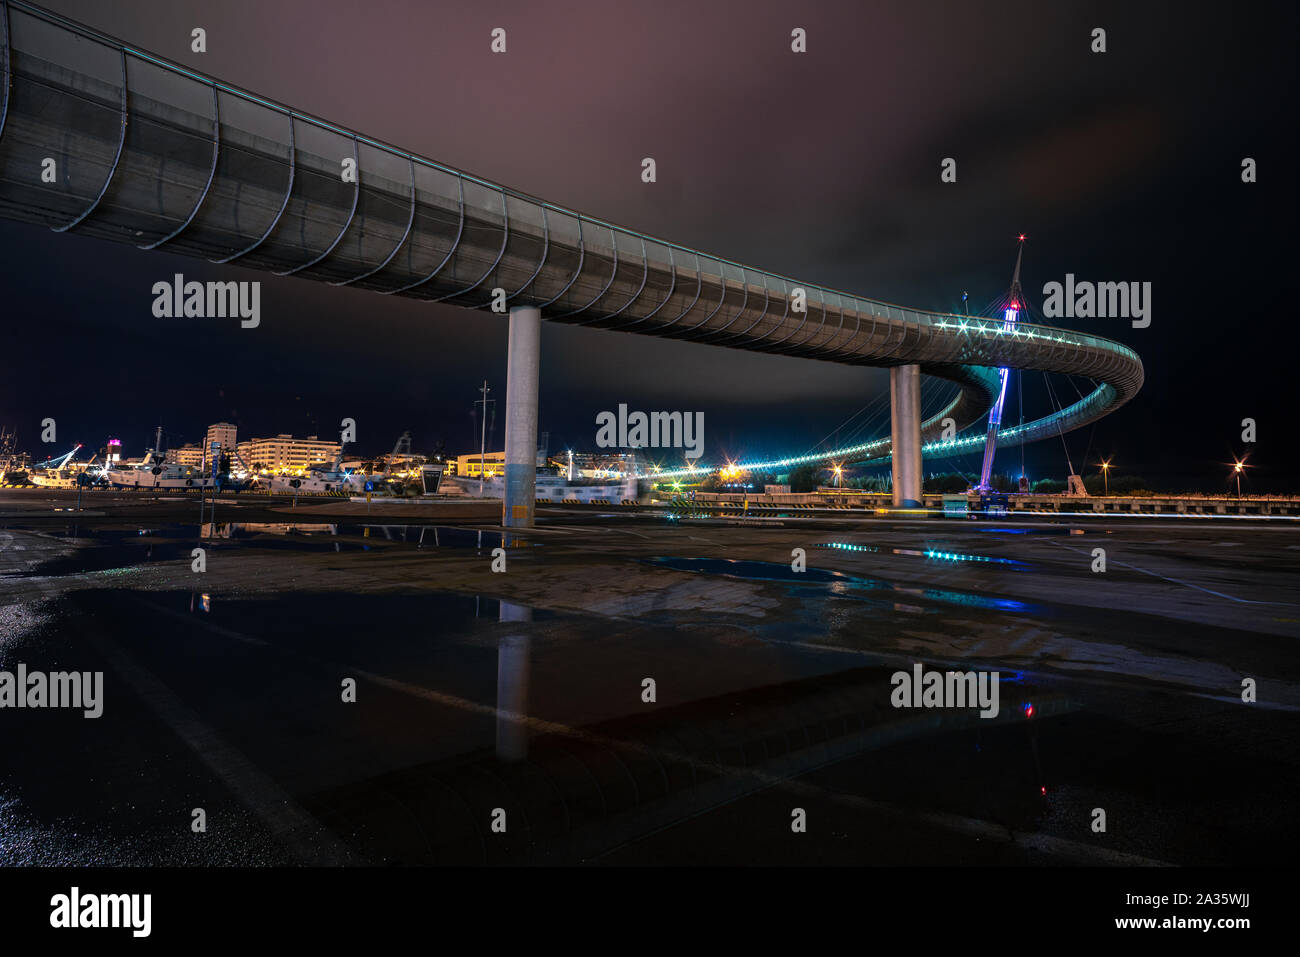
(427, 536)
(110, 551)
(315, 615)
(421, 536)
(441, 683)
(118, 549)
(839, 583)
(761, 571)
(1054, 530)
(762, 517)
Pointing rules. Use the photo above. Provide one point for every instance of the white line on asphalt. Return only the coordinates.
(1185, 584)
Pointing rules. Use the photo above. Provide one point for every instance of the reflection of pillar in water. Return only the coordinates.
(512, 686)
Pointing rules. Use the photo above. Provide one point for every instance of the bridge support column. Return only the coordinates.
(905, 434)
(522, 372)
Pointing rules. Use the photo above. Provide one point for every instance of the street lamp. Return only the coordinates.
(1105, 475)
(839, 477)
(1237, 466)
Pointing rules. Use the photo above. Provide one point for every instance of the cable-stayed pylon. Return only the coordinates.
(1009, 317)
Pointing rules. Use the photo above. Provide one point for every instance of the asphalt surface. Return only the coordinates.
(501, 716)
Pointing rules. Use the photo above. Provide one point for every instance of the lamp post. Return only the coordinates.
(1236, 470)
(482, 451)
(839, 477)
(1105, 475)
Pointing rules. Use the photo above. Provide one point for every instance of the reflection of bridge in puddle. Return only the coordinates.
(238, 529)
(421, 536)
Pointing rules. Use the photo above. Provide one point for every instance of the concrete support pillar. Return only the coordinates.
(905, 434)
(522, 372)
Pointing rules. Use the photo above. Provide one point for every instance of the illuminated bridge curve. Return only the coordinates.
(150, 153)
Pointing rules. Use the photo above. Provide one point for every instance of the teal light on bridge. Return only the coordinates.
(948, 447)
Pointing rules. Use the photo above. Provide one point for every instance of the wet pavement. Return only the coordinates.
(356, 692)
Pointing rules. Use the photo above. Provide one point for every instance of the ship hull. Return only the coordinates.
(552, 491)
(51, 481)
(145, 478)
(312, 483)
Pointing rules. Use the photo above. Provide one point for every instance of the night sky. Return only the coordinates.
(1123, 166)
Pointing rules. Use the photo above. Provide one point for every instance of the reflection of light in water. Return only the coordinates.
(958, 557)
(846, 547)
(838, 583)
(978, 601)
(1030, 531)
(964, 598)
(238, 529)
(763, 571)
(928, 553)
